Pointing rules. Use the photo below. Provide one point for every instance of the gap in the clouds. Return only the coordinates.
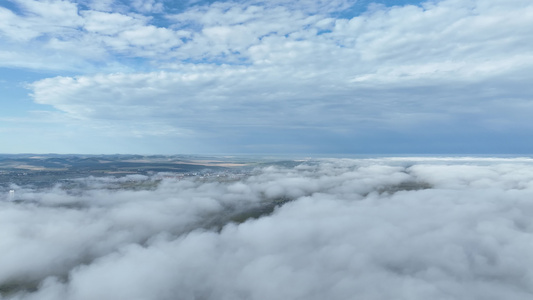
(15, 100)
(129, 64)
(26, 75)
(18, 286)
(12, 6)
(235, 215)
(363, 6)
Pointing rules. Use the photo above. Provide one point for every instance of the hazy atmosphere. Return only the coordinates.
(150, 76)
(266, 150)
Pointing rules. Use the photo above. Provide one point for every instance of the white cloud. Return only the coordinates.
(353, 228)
(50, 29)
(439, 40)
(110, 23)
(446, 66)
(397, 67)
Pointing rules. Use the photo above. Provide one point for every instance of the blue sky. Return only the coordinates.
(278, 76)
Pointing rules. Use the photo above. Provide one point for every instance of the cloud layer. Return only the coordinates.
(373, 229)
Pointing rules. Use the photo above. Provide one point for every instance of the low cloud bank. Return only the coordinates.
(341, 229)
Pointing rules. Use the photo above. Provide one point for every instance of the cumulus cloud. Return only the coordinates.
(334, 70)
(373, 229)
(86, 37)
(446, 64)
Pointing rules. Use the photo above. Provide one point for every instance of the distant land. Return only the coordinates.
(44, 170)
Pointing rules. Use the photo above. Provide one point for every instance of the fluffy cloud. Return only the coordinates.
(52, 17)
(266, 65)
(372, 229)
(63, 30)
(96, 32)
(438, 71)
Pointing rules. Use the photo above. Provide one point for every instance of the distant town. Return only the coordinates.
(43, 171)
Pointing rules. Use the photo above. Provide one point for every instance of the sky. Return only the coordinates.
(306, 77)
(373, 229)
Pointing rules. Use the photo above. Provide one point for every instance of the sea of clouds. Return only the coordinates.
(391, 228)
